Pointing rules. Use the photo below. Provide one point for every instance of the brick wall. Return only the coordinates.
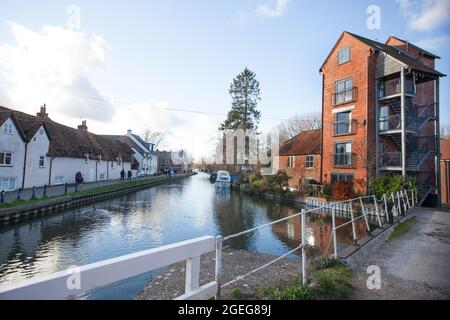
(299, 172)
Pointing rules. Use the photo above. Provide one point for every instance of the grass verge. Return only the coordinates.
(402, 228)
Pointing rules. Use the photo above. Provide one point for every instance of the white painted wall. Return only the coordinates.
(12, 143)
(37, 147)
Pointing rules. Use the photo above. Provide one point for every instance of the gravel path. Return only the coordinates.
(170, 283)
(413, 266)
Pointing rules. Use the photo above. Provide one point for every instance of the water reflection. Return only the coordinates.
(150, 218)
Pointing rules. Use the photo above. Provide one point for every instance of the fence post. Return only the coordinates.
(45, 191)
(405, 207)
(386, 209)
(33, 192)
(65, 188)
(192, 274)
(218, 270)
(303, 247)
(76, 187)
(399, 203)
(407, 199)
(355, 242)
(19, 191)
(364, 215)
(333, 217)
(2, 196)
(376, 210)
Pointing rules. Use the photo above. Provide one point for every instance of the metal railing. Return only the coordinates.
(388, 123)
(342, 128)
(393, 87)
(390, 159)
(346, 159)
(345, 96)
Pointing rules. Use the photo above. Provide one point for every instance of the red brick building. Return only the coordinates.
(445, 170)
(380, 112)
(300, 158)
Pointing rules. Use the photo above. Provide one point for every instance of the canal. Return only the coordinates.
(172, 212)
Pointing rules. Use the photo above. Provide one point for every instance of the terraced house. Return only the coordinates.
(36, 151)
(380, 112)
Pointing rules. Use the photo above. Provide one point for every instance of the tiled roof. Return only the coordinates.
(69, 142)
(307, 142)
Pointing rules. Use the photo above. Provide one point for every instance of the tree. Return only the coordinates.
(280, 181)
(155, 137)
(297, 124)
(245, 94)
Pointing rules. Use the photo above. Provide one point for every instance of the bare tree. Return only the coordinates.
(297, 124)
(154, 136)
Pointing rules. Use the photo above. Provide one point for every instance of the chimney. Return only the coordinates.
(83, 126)
(43, 113)
(129, 132)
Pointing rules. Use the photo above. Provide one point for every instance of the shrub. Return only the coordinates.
(327, 190)
(280, 181)
(391, 184)
(257, 184)
(342, 190)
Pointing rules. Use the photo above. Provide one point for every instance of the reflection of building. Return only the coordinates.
(176, 161)
(300, 158)
(380, 112)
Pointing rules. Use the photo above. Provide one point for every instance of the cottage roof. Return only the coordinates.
(305, 143)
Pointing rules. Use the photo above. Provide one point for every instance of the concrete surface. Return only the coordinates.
(414, 266)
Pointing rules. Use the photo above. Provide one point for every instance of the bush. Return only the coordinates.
(342, 190)
(257, 184)
(392, 184)
(327, 191)
(280, 181)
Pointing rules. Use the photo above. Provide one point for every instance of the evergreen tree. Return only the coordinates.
(245, 93)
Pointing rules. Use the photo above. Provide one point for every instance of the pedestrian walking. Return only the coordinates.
(122, 175)
(130, 174)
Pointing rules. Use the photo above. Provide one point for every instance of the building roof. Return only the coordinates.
(393, 52)
(306, 142)
(129, 142)
(423, 51)
(69, 142)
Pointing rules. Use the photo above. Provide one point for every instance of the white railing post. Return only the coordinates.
(376, 210)
(192, 274)
(386, 208)
(355, 242)
(218, 270)
(333, 218)
(405, 207)
(399, 204)
(394, 208)
(303, 247)
(407, 199)
(364, 214)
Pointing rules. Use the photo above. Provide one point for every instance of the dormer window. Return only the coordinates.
(344, 55)
(8, 128)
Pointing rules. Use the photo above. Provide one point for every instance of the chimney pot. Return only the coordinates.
(43, 112)
(83, 126)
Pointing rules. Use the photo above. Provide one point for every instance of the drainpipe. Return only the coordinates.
(403, 120)
(50, 171)
(107, 170)
(321, 138)
(24, 165)
(96, 170)
(437, 143)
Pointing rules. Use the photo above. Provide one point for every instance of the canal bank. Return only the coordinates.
(37, 207)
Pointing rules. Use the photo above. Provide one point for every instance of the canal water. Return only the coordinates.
(172, 212)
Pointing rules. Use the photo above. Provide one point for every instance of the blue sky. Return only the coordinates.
(133, 59)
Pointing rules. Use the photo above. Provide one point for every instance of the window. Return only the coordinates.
(344, 55)
(8, 128)
(6, 158)
(7, 184)
(102, 176)
(343, 124)
(59, 180)
(343, 154)
(42, 162)
(342, 177)
(291, 162)
(344, 91)
(309, 161)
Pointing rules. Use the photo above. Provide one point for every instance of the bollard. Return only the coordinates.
(2, 196)
(303, 247)
(33, 193)
(45, 190)
(218, 269)
(65, 188)
(19, 191)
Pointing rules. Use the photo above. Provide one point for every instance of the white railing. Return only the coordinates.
(74, 282)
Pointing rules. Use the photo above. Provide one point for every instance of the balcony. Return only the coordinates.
(390, 160)
(344, 160)
(345, 96)
(393, 87)
(344, 128)
(389, 123)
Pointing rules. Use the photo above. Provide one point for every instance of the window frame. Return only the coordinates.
(337, 92)
(343, 174)
(309, 163)
(8, 125)
(291, 162)
(349, 124)
(56, 182)
(346, 153)
(339, 55)
(4, 164)
(9, 183)
(43, 162)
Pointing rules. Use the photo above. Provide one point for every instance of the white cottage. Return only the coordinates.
(36, 151)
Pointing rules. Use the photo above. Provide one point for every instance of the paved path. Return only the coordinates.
(413, 266)
(58, 190)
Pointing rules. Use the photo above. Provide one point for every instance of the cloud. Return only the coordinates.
(275, 9)
(53, 66)
(268, 9)
(441, 43)
(425, 15)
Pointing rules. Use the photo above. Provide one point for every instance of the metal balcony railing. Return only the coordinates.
(345, 96)
(342, 128)
(390, 159)
(347, 159)
(388, 123)
(393, 87)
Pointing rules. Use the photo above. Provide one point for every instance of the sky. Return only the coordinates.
(167, 65)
